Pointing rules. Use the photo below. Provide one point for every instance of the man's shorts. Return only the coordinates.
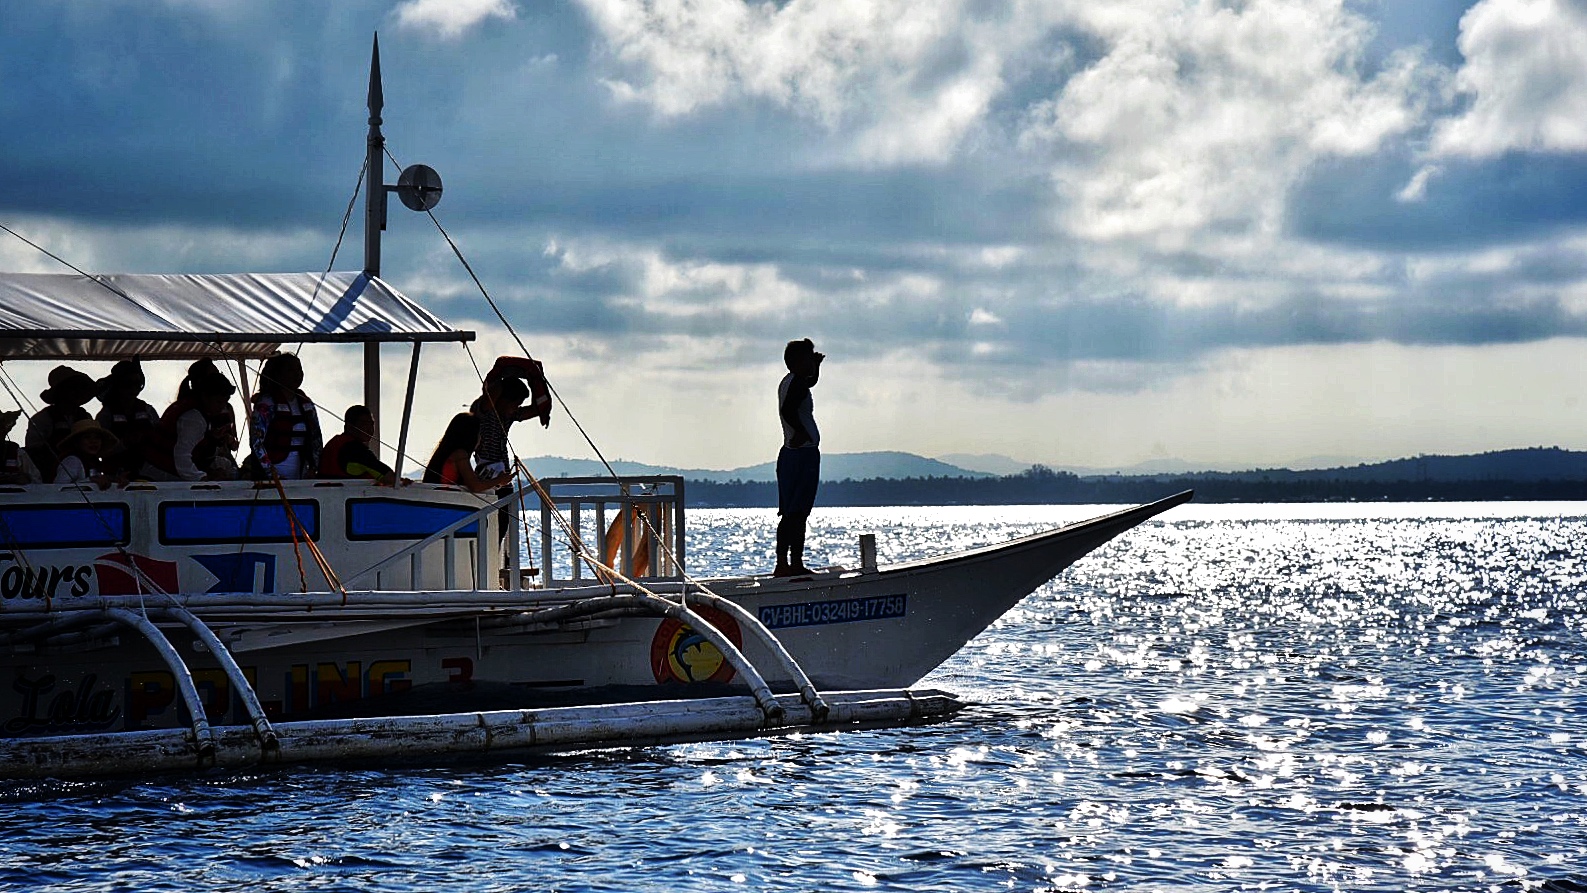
(798, 475)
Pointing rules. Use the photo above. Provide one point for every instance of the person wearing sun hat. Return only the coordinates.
(83, 453)
(63, 407)
(16, 467)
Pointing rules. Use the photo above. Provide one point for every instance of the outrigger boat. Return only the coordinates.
(168, 626)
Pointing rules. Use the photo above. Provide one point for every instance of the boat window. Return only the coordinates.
(207, 523)
(396, 519)
(61, 527)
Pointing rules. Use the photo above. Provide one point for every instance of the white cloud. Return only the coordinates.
(1373, 401)
(907, 79)
(1198, 117)
(163, 248)
(706, 289)
(1195, 119)
(450, 18)
(674, 288)
(1416, 189)
(1526, 76)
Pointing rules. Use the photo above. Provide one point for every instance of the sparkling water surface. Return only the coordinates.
(1320, 697)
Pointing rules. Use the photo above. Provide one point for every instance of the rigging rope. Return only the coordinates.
(363, 174)
(99, 281)
(297, 526)
(141, 577)
(484, 292)
(133, 569)
(347, 216)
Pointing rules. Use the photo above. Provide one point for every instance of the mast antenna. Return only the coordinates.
(418, 187)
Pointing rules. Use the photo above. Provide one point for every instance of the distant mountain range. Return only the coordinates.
(991, 463)
(834, 467)
(1530, 464)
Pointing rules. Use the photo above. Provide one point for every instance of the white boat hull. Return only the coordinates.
(387, 653)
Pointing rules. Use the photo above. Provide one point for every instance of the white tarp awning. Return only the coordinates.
(186, 316)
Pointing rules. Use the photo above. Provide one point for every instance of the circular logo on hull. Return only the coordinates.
(680, 654)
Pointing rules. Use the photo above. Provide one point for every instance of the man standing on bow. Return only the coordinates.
(799, 460)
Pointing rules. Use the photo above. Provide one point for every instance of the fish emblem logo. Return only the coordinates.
(678, 653)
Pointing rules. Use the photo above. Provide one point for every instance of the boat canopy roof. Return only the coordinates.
(187, 315)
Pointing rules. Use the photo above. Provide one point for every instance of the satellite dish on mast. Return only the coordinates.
(419, 187)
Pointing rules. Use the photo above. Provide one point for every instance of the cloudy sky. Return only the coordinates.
(1238, 233)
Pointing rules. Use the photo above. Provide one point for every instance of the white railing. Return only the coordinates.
(634, 523)
(480, 553)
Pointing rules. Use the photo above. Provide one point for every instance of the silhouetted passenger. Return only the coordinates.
(197, 436)
(347, 455)
(799, 460)
(63, 407)
(510, 382)
(16, 466)
(126, 415)
(283, 428)
(83, 453)
(453, 459)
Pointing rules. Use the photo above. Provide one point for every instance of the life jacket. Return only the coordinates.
(10, 458)
(449, 473)
(288, 431)
(331, 457)
(61, 419)
(129, 427)
(92, 466)
(162, 443)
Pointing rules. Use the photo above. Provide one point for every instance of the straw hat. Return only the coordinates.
(83, 428)
(69, 387)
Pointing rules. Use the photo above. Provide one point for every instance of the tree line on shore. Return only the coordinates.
(1040, 485)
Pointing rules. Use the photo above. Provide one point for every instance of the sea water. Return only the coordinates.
(1337, 697)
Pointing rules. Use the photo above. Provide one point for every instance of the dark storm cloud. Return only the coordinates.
(250, 115)
(122, 112)
(251, 118)
(772, 212)
(1467, 205)
(125, 113)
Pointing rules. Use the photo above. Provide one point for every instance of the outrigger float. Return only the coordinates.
(174, 626)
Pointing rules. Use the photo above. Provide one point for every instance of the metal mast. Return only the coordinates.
(374, 171)
(419, 188)
(374, 222)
